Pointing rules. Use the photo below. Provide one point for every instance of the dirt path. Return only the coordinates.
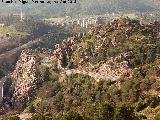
(94, 75)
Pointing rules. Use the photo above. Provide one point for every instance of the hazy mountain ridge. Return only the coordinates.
(84, 7)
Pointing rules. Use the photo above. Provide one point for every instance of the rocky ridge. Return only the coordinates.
(83, 53)
(24, 78)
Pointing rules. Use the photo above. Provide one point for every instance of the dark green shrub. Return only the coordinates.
(157, 117)
(124, 112)
(31, 108)
(106, 112)
(141, 117)
(38, 116)
(141, 105)
(72, 116)
(155, 101)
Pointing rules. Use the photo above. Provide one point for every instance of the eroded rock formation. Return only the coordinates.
(24, 79)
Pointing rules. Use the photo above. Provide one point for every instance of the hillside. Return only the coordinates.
(111, 72)
(24, 35)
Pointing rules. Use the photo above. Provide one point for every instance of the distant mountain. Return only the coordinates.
(83, 7)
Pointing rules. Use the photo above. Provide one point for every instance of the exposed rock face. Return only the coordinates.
(25, 79)
(112, 69)
(62, 52)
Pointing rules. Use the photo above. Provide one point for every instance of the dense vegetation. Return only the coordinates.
(80, 97)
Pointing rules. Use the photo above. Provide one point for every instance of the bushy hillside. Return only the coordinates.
(110, 73)
(117, 62)
(125, 39)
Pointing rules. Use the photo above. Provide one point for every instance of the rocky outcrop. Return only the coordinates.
(112, 70)
(25, 79)
(62, 52)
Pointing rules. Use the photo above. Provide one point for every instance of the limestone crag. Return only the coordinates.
(24, 77)
(62, 52)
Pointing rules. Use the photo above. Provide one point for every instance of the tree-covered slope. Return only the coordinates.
(111, 72)
(125, 49)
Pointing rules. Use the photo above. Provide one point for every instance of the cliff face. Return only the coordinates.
(25, 79)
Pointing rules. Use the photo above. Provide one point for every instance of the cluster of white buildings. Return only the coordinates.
(81, 21)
